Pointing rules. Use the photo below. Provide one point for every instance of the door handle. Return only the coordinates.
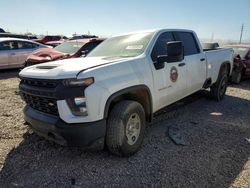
(202, 59)
(12, 54)
(182, 64)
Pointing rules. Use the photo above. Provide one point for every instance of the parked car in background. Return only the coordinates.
(12, 35)
(206, 46)
(54, 43)
(32, 37)
(50, 39)
(68, 49)
(14, 51)
(75, 37)
(241, 66)
(2, 31)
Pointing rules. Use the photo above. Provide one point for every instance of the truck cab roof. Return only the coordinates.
(154, 31)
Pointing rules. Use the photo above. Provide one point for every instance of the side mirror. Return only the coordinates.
(175, 51)
(160, 62)
(175, 54)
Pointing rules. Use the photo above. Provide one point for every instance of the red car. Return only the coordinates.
(241, 62)
(69, 49)
(48, 38)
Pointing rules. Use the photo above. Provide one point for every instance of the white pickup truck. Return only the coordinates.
(107, 97)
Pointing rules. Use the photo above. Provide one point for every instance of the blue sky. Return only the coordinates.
(220, 18)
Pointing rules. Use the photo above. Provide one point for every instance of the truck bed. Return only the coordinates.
(214, 58)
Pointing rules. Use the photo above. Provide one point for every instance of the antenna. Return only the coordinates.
(241, 32)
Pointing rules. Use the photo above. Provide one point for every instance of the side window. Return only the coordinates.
(13, 45)
(160, 47)
(5, 45)
(54, 38)
(28, 45)
(25, 45)
(189, 43)
(90, 46)
(35, 45)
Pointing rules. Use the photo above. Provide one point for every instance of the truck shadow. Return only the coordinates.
(10, 73)
(218, 148)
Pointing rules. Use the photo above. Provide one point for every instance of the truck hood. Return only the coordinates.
(67, 68)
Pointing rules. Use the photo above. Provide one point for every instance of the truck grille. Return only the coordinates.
(42, 104)
(40, 83)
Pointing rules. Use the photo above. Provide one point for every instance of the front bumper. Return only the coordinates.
(53, 128)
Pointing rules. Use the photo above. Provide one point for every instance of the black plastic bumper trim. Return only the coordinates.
(55, 129)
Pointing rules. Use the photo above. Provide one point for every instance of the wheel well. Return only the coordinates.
(140, 95)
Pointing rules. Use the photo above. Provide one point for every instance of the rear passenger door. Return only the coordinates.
(195, 61)
(24, 49)
(13, 54)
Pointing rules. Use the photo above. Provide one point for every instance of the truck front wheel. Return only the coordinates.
(125, 128)
(219, 88)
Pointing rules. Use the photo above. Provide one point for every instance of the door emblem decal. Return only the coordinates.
(173, 74)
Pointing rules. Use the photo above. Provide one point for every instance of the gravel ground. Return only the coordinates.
(217, 151)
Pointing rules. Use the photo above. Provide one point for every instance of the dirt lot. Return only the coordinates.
(217, 153)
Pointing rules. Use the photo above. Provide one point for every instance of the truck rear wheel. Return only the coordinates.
(125, 128)
(218, 89)
(236, 77)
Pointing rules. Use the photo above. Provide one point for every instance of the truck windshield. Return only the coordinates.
(241, 51)
(123, 46)
(69, 47)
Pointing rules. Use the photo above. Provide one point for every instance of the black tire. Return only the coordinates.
(116, 139)
(236, 77)
(218, 89)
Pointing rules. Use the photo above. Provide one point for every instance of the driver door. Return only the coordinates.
(171, 81)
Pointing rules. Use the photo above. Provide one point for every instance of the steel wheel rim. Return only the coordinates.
(133, 128)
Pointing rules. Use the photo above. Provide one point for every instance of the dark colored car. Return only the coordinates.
(241, 62)
(76, 37)
(32, 37)
(69, 49)
(12, 35)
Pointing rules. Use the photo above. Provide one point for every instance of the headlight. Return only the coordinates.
(78, 106)
(81, 82)
(78, 103)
